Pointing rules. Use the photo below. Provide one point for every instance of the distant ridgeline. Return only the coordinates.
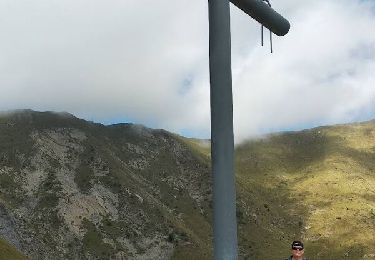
(72, 189)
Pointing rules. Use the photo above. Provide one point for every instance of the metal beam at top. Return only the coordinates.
(265, 15)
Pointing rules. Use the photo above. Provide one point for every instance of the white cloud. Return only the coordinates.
(148, 61)
(322, 71)
(105, 59)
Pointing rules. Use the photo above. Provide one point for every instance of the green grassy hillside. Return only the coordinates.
(126, 191)
(317, 185)
(8, 252)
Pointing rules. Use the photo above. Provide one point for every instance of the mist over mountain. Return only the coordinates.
(72, 189)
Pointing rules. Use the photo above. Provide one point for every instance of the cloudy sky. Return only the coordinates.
(147, 62)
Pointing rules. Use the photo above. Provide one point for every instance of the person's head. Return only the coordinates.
(297, 249)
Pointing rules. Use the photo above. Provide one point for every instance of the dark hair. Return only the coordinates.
(297, 243)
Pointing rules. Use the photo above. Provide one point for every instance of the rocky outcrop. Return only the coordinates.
(71, 189)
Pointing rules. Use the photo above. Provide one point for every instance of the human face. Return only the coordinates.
(298, 251)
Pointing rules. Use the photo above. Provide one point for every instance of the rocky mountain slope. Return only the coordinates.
(71, 189)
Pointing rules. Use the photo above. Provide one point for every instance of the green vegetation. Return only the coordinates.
(315, 185)
(49, 192)
(83, 178)
(9, 189)
(93, 241)
(112, 228)
(8, 252)
(15, 141)
(84, 174)
(201, 149)
(7, 181)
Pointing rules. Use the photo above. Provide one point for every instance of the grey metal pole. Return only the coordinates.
(222, 144)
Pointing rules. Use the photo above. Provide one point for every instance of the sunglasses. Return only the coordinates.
(297, 248)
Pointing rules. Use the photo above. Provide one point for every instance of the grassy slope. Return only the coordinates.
(315, 185)
(200, 229)
(8, 252)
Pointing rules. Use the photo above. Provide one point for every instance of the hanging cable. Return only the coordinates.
(271, 41)
(269, 4)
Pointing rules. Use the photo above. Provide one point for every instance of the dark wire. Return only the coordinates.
(271, 41)
(269, 4)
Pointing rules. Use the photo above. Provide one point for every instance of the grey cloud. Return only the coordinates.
(131, 59)
(313, 76)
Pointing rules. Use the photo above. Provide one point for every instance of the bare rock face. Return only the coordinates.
(70, 189)
(7, 228)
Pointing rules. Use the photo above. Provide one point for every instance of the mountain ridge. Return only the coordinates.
(78, 177)
(130, 192)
